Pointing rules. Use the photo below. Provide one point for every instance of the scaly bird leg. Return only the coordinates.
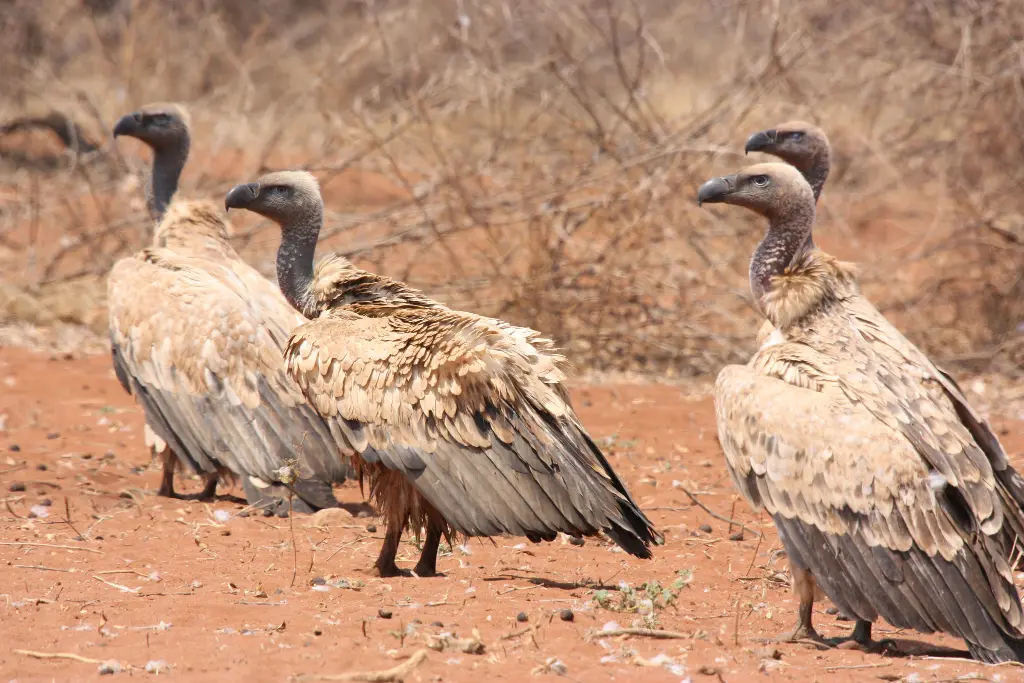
(803, 587)
(386, 560)
(427, 566)
(170, 462)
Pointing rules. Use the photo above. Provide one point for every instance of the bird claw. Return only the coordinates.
(802, 634)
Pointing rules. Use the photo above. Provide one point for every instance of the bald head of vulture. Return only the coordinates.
(800, 144)
(462, 423)
(779, 193)
(164, 127)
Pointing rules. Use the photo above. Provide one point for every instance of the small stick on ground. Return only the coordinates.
(643, 632)
(57, 655)
(393, 675)
(850, 667)
(720, 518)
(516, 634)
(67, 518)
(51, 545)
(123, 589)
(45, 569)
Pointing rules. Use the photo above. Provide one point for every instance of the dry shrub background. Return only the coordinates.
(538, 160)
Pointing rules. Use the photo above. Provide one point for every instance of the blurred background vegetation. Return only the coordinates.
(536, 160)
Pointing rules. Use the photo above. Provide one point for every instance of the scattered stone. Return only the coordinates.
(243, 514)
(16, 486)
(317, 632)
(267, 512)
(329, 517)
(832, 610)
(577, 541)
(14, 448)
(51, 436)
(157, 666)
(706, 528)
(283, 513)
(437, 624)
(319, 581)
(384, 613)
(372, 528)
(46, 502)
(42, 467)
(225, 532)
(521, 617)
(738, 536)
(86, 456)
(111, 666)
(566, 615)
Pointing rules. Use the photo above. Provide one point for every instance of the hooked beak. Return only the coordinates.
(128, 124)
(241, 196)
(715, 190)
(760, 141)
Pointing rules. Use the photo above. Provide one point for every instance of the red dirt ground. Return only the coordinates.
(212, 594)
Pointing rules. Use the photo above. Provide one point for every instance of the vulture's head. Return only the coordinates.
(285, 197)
(772, 189)
(161, 126)
(795, 142)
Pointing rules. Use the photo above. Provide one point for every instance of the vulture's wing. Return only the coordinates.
(204, 366)
(882, 529)
(474, 413)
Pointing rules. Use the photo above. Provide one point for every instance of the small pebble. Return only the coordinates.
(267, 512)
(221, 516)
(109, 455)
(42, 467)
(521, 617)
(738, 536)
(14, 448)
(16, 486)
(157, 666)
(225, 532)
(372, 528)
(384, 613)
(243, 514)
(53, 435)
(566, 615)
(706, 528)
(363, 513)
(46, 502)
(283, 513)
(319, 580)
(437, 624)
(317, 632)
(577, 540)
(832, 610)
(86, 456)
(111, 666)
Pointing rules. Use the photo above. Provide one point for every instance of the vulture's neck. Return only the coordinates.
(788, 237)
(168, 163)
(817, 173)
(295, 261)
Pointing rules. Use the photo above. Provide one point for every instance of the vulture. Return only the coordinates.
(882, 498)
(461, 424)
(807, 148)
(197, 337)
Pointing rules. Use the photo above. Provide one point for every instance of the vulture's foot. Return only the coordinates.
(801, 634)
(209, 491)
(385, 570)
(860, 639)
(427, 566)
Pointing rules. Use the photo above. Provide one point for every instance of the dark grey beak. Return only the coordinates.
(715, 190)
(760, 141)
(129, 124)
(241, 196)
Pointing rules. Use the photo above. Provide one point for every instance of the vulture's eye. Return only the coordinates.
(159, 119)
(796, 136)
(281, 190)
(760, 180)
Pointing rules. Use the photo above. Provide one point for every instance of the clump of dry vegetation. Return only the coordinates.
(538, 160)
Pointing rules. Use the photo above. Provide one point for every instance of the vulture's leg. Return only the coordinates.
(209, 491)
(427, 566)
(386, 560)
(170, 462)
(803, 585)
(862, 636)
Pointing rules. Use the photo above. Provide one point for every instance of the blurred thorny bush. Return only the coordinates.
(538, 160)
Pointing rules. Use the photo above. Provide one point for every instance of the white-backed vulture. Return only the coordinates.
(461, 423)
(880, 499)
(197, 337)
(807, 148)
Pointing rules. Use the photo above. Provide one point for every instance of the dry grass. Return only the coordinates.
(538, 160)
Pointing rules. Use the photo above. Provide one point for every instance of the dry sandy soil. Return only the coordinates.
(200, 593)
